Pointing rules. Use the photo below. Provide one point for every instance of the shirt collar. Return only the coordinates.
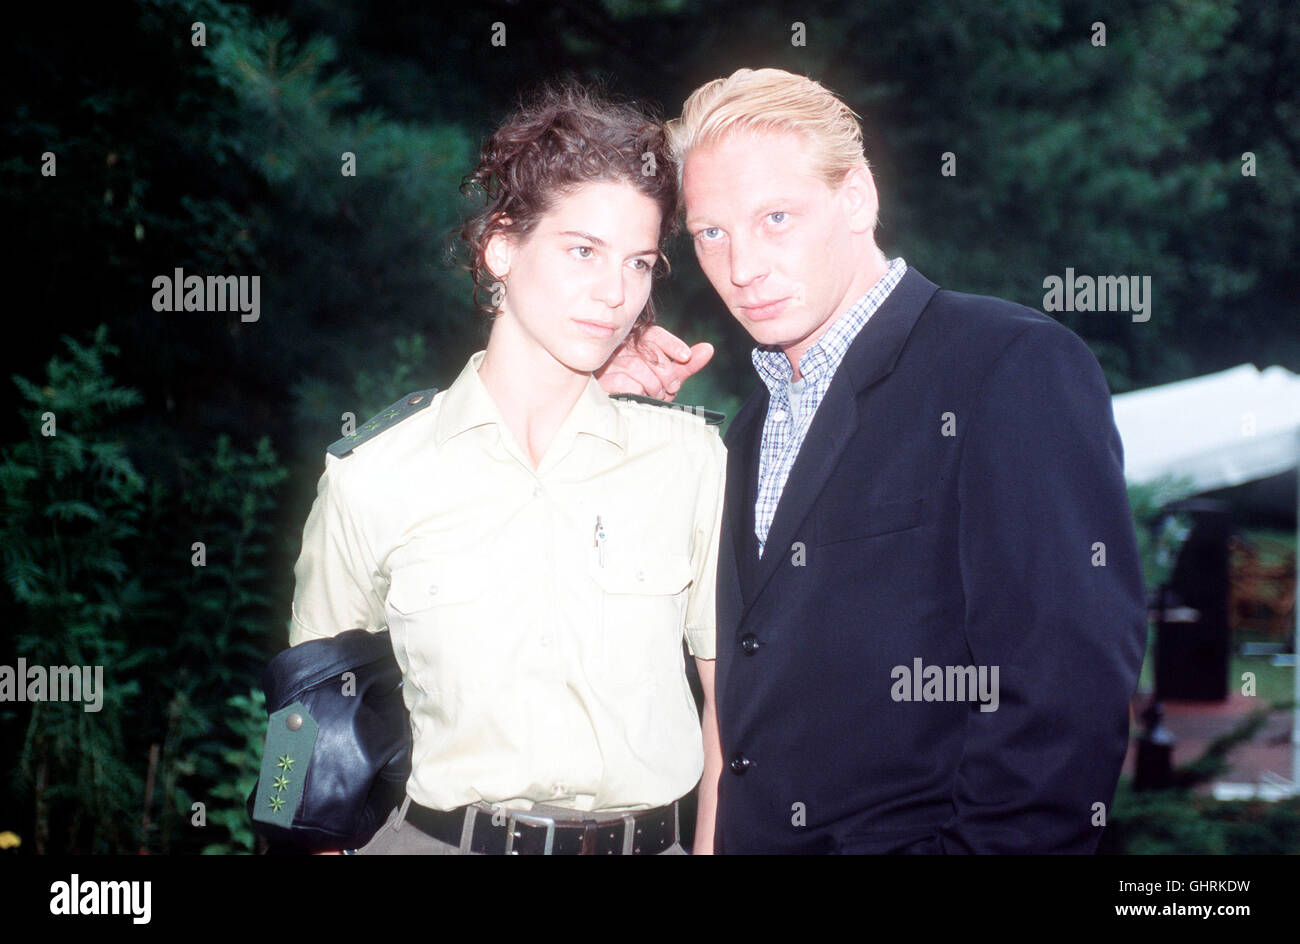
(825, 356)
(468, 405)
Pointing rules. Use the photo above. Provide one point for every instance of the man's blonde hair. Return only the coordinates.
(752, 100)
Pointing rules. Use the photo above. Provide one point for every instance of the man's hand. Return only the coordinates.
(656, 368)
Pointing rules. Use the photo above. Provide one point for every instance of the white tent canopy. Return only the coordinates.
(1222, 429)
(1219, 430)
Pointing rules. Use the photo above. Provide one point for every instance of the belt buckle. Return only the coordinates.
(529, 819)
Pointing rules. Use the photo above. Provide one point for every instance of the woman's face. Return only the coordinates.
(577, 283)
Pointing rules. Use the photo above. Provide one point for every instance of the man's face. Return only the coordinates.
(777, 243)
(577, 283)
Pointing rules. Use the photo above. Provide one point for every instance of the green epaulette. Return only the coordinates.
(711, 417)
(290, 739)
(408, 405)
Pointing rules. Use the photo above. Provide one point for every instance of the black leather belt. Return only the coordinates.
(516, 832)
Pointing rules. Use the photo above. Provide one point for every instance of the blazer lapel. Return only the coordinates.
(870, 358)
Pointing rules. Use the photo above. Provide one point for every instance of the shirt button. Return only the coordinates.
(739, 764)
(749, 643)
(545, 640)
(779, 415)
(640, 575)
(433, 589)
(537, 491)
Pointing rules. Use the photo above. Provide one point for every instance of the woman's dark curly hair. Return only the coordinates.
(560, 138)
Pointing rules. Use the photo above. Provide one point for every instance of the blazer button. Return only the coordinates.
(739, 764)
(749, 643)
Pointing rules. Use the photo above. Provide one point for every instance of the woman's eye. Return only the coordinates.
(582, 252)
(777, 217)
(640, 265)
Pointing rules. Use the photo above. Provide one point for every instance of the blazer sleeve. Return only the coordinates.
(1053, 598)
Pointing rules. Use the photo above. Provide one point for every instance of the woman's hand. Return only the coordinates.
(707, 805)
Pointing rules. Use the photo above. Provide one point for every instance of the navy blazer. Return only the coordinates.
(959, 500)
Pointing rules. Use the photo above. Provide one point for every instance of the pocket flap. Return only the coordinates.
(657, 574)
(864, 522)
(438, 582)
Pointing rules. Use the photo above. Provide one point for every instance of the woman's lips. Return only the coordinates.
(596, 329)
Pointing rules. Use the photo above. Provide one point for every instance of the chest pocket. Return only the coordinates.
(642, 613)
(430, 603)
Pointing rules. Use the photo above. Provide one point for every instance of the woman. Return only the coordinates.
(537, 549)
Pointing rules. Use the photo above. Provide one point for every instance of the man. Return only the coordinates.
(930, 608)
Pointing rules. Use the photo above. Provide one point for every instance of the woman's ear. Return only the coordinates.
(499, 252)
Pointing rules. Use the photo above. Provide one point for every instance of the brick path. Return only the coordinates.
(1196, 724)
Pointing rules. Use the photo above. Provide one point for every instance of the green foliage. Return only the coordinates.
(1167, 822)
(70, 515)
(247, 721)
(220, 615)
(288, 92)
(1105, 159)
(82, 528)
(320, 403)
(408, 370)
(359, 249)
(226, 503)
(1158, 549)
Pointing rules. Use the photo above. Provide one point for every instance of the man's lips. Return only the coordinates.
(764, 310)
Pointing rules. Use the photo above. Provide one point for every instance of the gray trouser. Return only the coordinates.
(399, 837)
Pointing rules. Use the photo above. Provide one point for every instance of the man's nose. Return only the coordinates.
(746, 261)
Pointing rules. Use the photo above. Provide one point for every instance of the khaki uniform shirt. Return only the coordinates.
(537, 615)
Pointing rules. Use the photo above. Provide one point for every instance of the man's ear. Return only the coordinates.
(861, 202)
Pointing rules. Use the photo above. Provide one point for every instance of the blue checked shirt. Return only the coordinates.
(784, 430)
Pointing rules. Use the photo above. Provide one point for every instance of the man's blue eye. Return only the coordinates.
(710, 232)
(584, 252)
(777, 217)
